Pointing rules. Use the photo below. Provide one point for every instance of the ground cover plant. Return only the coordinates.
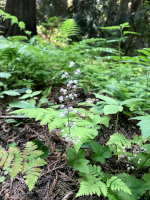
(76, 96)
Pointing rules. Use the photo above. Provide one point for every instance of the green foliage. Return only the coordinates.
(99, 153)
(69, 28)
(144, 125)
(117, 185)
(91, 183)
(14, 20)
(118, 143)
(77, 160)
(136, 186)
(85, 128)
(27, 162)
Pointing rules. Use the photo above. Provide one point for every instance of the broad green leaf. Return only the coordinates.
(144, 125)
(21, 25)
(107, 99)
(146, 178)
(133, 100)
(77, 160)
(100, 152)
(2, 179)
(11, 93)
(112, 109)
(21, 104)
(137, 187)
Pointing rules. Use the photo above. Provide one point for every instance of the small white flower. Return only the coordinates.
(139, 161)
(128, 168)
(70, 108)
(129, 158)
(61, 98)
(135, 155)
(63, 131)
(75, 81)
(70, 82)
(64, 91)
(127, 165)
(74, 86)
(145, 149)
(70, 95)
(132, 167)
(75, 95)
(77, 72)
(65, 75)
(62, 106)
(71, 64)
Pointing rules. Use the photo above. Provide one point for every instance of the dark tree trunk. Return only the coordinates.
(24, 10)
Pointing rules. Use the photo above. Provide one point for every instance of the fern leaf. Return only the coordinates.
(69, 28)
(33, 161)
(91, 183)
(3, 156)
(9, 158)
(117, 184)
(17, 165)
(119, 140)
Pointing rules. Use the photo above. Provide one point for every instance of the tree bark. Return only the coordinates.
(24, 10)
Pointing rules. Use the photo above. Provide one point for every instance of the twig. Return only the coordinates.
(13, 117)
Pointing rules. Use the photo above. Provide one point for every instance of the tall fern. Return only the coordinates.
(69, 28)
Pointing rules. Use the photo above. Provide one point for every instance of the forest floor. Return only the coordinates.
(57, 181)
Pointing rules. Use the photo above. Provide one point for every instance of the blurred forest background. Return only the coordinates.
(90, 15)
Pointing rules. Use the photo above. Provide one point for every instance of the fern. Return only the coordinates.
(91, 183)
(119, 140)
(31, 155)
(117, 184)
(26, 162)
(85, 128)
(69, 28)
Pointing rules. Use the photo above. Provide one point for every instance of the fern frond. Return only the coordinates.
(30, 151)
(27, 162)
(9, 158)
(69, 28)
(33, 161)
(117, 185)
(119, 140)
(12, 157)
(91, 183)
(3, 156)
(50, 116)
(17, 165)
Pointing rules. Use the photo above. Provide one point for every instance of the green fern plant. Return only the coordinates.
(117, 185)
(69, 28)
(27, 162)
(86, 123)
(91, 183)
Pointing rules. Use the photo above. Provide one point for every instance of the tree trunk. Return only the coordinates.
(24, 10)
